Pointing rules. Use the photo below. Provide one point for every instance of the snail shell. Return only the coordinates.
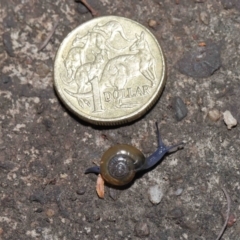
(120, 163)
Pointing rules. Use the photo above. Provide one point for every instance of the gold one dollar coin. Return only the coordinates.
(109, 70)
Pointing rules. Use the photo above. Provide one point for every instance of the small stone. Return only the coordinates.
(7, 41)
(214, 115)
(229, 120)
(176, 213)
(180, 108)
(50, 212)
(201, 62)
(231, 220)
(152, 23)
(155, 194)
(72, 197)
(42, 69)
(204, 17)
(24, 171)
(111, 218)
(229, 4)
(142, 229)
(178, 191)
(87, 229)
(37, 197)
(1, 231)
(96, 217)
(40, 108)
(81, 191)
(81, 8)
(6, 79)
(92, 216)
(38, 210)
(63, 176)
(114, 193)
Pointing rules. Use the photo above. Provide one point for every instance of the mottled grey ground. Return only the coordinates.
(44, 149)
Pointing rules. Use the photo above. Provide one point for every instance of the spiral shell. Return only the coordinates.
(119, 164)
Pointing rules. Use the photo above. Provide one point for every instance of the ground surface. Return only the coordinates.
(44, 149)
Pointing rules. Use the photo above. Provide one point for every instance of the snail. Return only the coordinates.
(120, 163)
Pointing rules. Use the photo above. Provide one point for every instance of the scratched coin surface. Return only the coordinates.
(109, 70)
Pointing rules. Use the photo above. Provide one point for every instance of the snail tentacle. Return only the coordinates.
(160, 142)
(155, 158)
(95, 169)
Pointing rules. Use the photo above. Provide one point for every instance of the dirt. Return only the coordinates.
(44, 149)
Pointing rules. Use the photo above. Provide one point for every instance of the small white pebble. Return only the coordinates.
(178, 191)
(63, 176)
(204, 17)
(185, 236)
(229, 119)
(214, 115)
(152, 23)
(88, 229)
(155, 194)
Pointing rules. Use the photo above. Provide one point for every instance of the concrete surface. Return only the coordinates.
(44, 149)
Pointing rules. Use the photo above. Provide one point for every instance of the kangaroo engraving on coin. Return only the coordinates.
(109, 70)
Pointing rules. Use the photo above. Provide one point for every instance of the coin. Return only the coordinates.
(109, 70)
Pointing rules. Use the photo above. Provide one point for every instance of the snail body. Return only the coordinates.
(120, 163)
